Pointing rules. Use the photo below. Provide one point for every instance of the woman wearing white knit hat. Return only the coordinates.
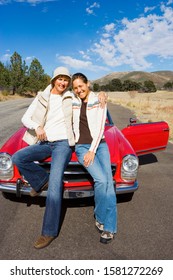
(46, 120)
(49, 134)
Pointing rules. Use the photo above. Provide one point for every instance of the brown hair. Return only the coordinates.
(79, 76)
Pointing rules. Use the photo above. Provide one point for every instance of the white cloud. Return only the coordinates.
(80, 64)
(5, 58)
(90, 9)
(109, 27)
(137, 41)
(4, 2)
(84, 55)
(109, 30)
(29, 58)
(149, 9)
(31, 2)
(34, 2)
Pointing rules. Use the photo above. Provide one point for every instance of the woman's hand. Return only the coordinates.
(88, 158)
(41, 134)
(102, 96)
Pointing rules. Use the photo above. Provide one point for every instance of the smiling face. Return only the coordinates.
(60, 84)
(81, 88)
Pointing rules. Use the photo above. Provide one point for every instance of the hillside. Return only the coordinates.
(159, 78)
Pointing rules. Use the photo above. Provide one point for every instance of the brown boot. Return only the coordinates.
(43, 188)
(43, 241)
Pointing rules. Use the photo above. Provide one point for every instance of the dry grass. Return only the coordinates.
(147, 106)
(5, 96)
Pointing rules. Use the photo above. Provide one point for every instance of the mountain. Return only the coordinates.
(159, 78)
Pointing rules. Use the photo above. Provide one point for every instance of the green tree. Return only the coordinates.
(115, 85)
(96, 87)
(37, 79)
(4, 77)
(104, 87)
(168, 86)
(23, 87)
(149, 86)
(17, 73)
(127, 85)
(130, 85)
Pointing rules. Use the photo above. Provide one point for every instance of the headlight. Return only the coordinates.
(129, 167)
(6, 167)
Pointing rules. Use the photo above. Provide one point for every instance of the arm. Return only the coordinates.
(28, 121)
(68, 114)
(98, 134)
(27, 117)
(98, 131)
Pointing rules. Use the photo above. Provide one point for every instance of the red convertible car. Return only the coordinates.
(125, 147)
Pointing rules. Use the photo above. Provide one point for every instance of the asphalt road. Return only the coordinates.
(145, 224)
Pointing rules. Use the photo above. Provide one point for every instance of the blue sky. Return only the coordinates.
(93, 37)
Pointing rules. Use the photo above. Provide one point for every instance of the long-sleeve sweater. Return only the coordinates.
(39, 113)
(96, 117)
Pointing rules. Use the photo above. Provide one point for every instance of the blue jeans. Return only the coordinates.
(104, 193)
(60, 152)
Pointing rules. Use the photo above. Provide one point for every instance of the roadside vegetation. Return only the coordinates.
(4, 95)
(130, 85)
(127, 85)
(147, 107)
(18, 78)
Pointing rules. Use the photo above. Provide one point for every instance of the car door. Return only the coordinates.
(147, 138)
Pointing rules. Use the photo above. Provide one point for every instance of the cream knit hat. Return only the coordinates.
(60, 71)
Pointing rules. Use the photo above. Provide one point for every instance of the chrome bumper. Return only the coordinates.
(69, 193)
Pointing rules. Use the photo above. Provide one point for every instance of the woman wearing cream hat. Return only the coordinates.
(49, 134)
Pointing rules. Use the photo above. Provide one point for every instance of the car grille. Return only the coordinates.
(75, 172)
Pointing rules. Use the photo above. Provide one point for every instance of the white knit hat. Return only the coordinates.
(60, 71)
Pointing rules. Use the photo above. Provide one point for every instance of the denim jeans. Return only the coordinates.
(104, 193)
(25, 158)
